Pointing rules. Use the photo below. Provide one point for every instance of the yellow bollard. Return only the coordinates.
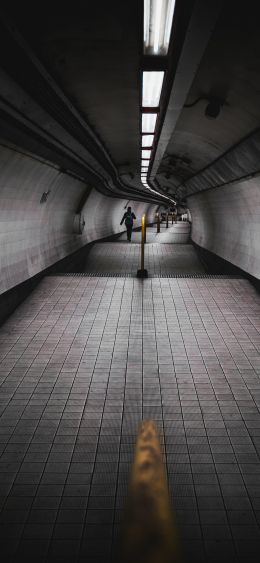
(167, 220)
(142, 273)
(149, 534)
(158, 222)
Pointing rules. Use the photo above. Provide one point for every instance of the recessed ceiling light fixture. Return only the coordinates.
(148, 122)
(158, 17)
(146, 154)
(152, 87)
(147, 140)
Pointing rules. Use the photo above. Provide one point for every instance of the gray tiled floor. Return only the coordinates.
(160, 259)
(83, 360)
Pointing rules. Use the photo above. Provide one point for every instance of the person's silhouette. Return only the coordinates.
(128, 218)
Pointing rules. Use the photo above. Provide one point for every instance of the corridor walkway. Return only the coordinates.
(161, 258)
(83, 360)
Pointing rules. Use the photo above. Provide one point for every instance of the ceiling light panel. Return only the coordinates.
(148, 122)
(152, 87)
(147, 140)
(146, 154)
(158, 17)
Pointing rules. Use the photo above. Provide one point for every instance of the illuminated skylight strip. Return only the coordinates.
(157, 25)
(148, 122)
(147, 8)
(158, 18)
(152, 87)
(147, 140)
(146, 154)
(168, 24)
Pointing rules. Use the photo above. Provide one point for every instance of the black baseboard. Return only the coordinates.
(214, 264)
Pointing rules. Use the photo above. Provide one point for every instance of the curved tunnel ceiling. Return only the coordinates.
(81, 84)
(225, 147)
(71, 92)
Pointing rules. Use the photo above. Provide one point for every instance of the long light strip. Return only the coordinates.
(146, 154)
(147, 8)
(147, 140)
(152, 87)
(168, 23)
(157, 26)
(158, 17)
(148, 122)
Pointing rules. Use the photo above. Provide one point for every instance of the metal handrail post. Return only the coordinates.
(158, 223)
(149, 532)
(142, 273)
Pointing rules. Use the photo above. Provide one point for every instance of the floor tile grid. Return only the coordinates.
(130, 323)
(235, 420)
(247, 405)
(67, 534)
(36, 427)
(32, 322)
(21, 361)
(147, 327)
(159, 258)
(209, 534)
(10, 331)
(19, 402)
(110, 454)
(176, 445)
(255, 531)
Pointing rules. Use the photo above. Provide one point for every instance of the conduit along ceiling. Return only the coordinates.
(135, 97)
(80, 82)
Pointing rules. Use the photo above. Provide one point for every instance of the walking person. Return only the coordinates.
(128, 218)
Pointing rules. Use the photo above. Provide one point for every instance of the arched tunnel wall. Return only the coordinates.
(36, 235)
(226, 221)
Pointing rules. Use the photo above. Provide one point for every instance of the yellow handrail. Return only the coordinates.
(149, 533)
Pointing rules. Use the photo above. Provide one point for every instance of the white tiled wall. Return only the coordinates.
(226, 221)
(34, 236)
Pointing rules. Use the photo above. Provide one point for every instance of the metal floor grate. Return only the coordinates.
(153, 275)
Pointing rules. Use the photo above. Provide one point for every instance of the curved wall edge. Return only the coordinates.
(38, 204)
(226, 221)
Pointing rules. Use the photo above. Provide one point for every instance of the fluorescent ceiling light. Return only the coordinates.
(146, 154)
(158, 17)
(145, 163)
(152, 87)
(148, 122)
(147, 140)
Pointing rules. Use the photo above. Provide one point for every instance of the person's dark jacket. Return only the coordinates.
(126, 214)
